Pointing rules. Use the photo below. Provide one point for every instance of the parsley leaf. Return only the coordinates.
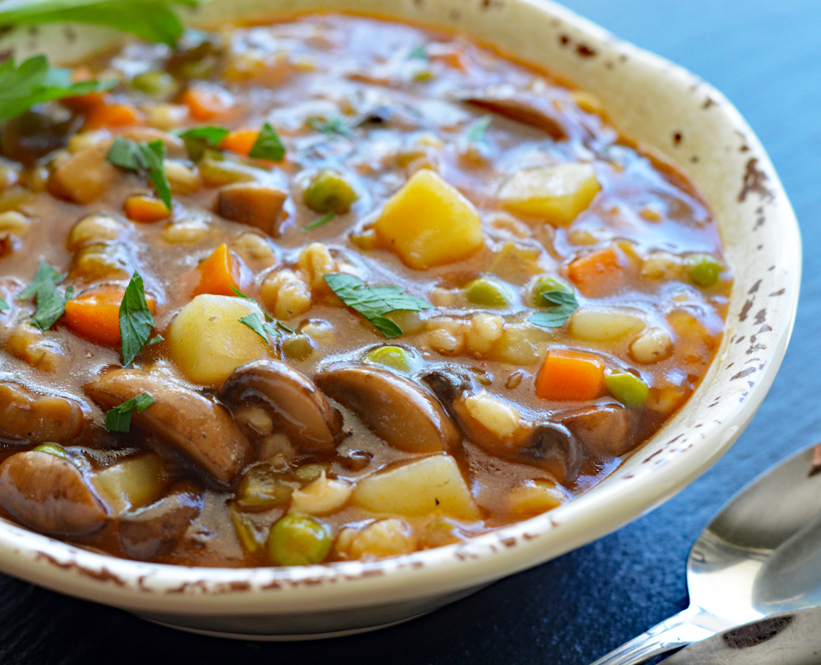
(268, 145)
(327, 217)
(4, 305)
(136, 320)
(118, 419)
(418, 52)
(152, 20)
(34, 81)
(254, 323)
(240, 294)
(561, 305)
(51, 305)
(198, 139)
(143, 157)
(331, 126)
(476, 130)
(373, 302)
(45, 273)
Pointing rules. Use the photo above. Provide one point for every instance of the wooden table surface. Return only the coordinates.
(766, 57)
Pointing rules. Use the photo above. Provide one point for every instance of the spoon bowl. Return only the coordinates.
(760, 555)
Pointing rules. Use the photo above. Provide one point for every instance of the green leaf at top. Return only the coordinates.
(34, 81)
(45, 273)
(143, 158)
(136, 320)
(373, 302)
(561, 305)
(198, 139)
(268, 145)
(51, 305)
(118, 419)
(4, 305)
(152, 20)
(476, 130)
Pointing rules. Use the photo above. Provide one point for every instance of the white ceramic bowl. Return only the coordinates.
(647, 98)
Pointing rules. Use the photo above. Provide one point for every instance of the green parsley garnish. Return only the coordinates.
(331, 126)
(561, 305)
(3, 305)
(118, 419)
(143, 158)
(254, 323)
(268, 145)
(34, 81)
(476, 130)
(51, 304)
(419, 52)
(240, 294)
(373, 302)
(136, 320)
(327, 217)
(45, 273)
(152, 20)
(198, 139)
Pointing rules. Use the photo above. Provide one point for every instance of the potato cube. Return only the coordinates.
(429, 485)
(429, 223)
(131, 484)
(556, 194)
(208, 341)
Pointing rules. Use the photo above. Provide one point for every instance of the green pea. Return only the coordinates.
(546, 284)
(329, 192)
(51, 449)
(298, 347)
(261, 489)
(487, 292)
(394, 357)
(703, 269)
(299, 540)
(308, 472)
(155, 84)
(629, 389)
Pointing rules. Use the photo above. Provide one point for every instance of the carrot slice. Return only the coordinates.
(84, 102)
(113, 115)
(203, 104)
(95, 314)
(599, 273)
(145, 209)
(240, 141)
(568, 375)
(219, 273)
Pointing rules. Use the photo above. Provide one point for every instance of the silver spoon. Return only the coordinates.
(760, 555)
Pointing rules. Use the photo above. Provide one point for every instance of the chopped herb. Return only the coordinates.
(153, 20)
(45, 273)
(240, 294)
(143, 157)
(561, 305)
(418, 52)
(327, 217)
(34, 81)
(136, 320)
(268, 145)
(198, 139)
(118, 419)
(156, 340)
(331, 126)
(476, 130)
(373, 302)
(3, 305)
(51, 305)
(288, 330)
(254, 323)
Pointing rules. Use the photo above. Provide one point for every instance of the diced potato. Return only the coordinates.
(555, 193)
(521, 344)
(208, 341)
(432, 484)
(534, 497)
(429, 223)
(85, 175)
(131, 484)
(600, 324)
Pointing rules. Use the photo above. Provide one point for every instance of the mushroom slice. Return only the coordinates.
(496, 427)
(398, 411)
(36, 418)
(50, 495)
(291, 400)
(156, 529)
(603, 428)
(252, 203)
(199, 428)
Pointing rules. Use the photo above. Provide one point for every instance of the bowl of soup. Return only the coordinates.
(333, 314)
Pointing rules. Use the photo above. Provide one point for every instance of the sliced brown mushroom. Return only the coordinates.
(157, 528)
(253, 204)
(497, 427)
(603, 428)
(30, 417)
(195, 426)
(50, 495)
(398, 411)
(289, 398)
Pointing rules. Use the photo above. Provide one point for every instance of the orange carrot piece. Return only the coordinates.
(219, 273)
(95, 314)
(447, 55)
(240, 141)
(599, 273)
(145, 209)
(113, 115)
(568, 375)
(203, 104)
(84, 102)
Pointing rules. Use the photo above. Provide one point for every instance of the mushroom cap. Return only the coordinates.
(290, 398)
(36, 418)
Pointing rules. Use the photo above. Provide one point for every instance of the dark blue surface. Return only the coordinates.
(766, 57)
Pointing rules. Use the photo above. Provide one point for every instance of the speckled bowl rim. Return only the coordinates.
(761, 317)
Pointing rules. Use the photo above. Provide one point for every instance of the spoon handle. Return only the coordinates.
(691, 625)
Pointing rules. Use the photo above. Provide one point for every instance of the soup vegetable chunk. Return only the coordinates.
(332, 288)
